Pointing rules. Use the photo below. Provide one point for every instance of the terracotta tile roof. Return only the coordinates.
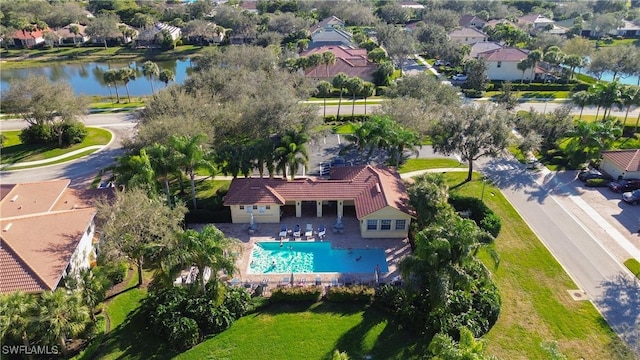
(339, 51)
(16, 274)
(350, 68)
(628, 160)
(32, 198)
(65, 32)
(44, 243)
(371, 188)
(27, 35)
(4, 190)
(467, 32)
(504, 54)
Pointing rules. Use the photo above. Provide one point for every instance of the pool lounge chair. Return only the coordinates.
(322, 231)
(309, 232)
(297, 231)
(283, 232)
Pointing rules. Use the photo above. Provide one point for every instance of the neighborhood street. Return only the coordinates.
(543, 204)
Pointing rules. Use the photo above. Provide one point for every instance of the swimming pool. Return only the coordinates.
(313, 257)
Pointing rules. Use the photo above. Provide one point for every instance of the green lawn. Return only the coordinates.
(298, 331)
(123, 105)
(15, 152)
(344, 129)
(420, 164)
(536, 307)
(59, 161)
(634, 266)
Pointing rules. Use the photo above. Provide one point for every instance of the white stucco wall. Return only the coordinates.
(260, 215)
(506, 71)
(387, 213)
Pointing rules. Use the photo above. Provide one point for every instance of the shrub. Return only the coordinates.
(491, 223)
(472, 93)
(390, 299)
(115, 271)
(37, 134)
(350, 294)
(184, 333)
(297, 294)
(596, 182)
(73, 132)
(484, 217)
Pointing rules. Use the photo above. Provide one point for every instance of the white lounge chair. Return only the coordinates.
(309, 232)
(322, 231)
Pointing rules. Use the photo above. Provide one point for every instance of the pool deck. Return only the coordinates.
(395, 249)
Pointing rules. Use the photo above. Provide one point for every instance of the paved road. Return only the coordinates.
(605, 281)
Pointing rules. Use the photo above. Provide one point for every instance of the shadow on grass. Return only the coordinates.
(134, 340)
(17, 153)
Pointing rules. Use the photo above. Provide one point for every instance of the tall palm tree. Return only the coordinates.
(340, 82)
(75, 30)
(291, 152)
(523, 65)
(354, 87)
(17, 315)
(166, 76)
(208, 248)
(324, 89)
(328, 58)
(125, 75)
(163, 162)
(629, 96)
(92, 291)
(402, 139)
(582, 99)
(62, 316)
(608, 95)
(315, 60)
(534, 57)
(573, 61)
(133, 170)
(150, 70)
(111, 77)
(191, 154)
(368, 89)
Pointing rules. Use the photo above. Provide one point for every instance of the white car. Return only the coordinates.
(459, 77)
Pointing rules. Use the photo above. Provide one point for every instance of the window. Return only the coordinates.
(401, 224)
(241, 207)
(268, 207)
(261, 209)
(372, 224)
(499, 63)
(255, 207)
(385, 224)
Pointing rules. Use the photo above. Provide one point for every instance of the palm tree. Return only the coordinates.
(17, 314)
(328, 58)
(125, 75)
(209, 248)
(340, 82)
(629, 96)
(582, 99)
(291, 152)
(133, 170)
(324, 90)
(191, 155)
(573, 61)
(262, 151)
(92, 290)
(368, 89)
(150, 70)
(608, 94)
(163, 162)
(111, 77)
(401, 139)
(62, 316)
(315, 60)
(354, 87)
(534, 57)
(166, 76)
(523, 65)
(75, 30)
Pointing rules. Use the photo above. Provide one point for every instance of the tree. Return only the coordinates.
(393, 13)
(17, 312)
(477, 74)
(473, 132)
(75, 30)
(135, 226)
(166, 76)
(62, 316)
(428, 196)
(52, 38)
(507, 97)
(141, 20)
(523, 65)
(368, 90)
(163, 162)
(125, 75)
(354, 87)
(92, 290)
(328, 58)
(314, 61)
(291, 152)
(573, 61)
(103, 26)
(581, 99)
(398, 43)
(340, 82)
(444, 347)
(602, 24)
(606, 94)
(192, 155)
(133, 170)
(534, 57)
(150, 70)
(111, 77)
(550, 127)
(324, 90)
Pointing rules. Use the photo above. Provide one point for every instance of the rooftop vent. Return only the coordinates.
(378, 187)
(13, 199)
(255, 188)
(7, 227)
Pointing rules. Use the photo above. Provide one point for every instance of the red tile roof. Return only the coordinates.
(27, 35)
(504, 54)
(627, 160)
(371, 188)
(351, 69)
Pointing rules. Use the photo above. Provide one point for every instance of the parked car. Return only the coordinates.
(632, 197)
(442, 63)
(588, 174)
(624, 185)
(459, 77)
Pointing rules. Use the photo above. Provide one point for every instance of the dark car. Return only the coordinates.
(589, 174)
(624, 185)
(632, 197)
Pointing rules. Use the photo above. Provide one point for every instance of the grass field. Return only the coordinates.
(634, 266)
(14, 152)
(420, 164)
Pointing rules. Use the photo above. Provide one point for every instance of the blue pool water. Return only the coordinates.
(313, 257)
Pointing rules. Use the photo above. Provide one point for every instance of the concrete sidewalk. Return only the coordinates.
(56, 158)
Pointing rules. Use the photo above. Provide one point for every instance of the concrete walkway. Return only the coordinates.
(54, 159)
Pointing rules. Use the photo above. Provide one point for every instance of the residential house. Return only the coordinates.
(502, 64)
(47, 233)
(148, 36)
(250, 6)
(331, 36)
(628, 30)
(330, 22)
(27, 39)
(534, 22)
(408, 4)
(376, 195)
(472, 21)
(67, 37)
(412, 25)
(621, 164)
(123, 38)
(351, 61)
(495, 22)
(481, 47)
(467, 36)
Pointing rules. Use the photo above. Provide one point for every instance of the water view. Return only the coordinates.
(86, 78)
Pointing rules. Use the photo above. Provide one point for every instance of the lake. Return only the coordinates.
(86, 78)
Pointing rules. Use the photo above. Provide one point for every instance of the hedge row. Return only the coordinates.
(297, 294)
(357, 293)
(497, 86)
(484, 217)
(346, 118)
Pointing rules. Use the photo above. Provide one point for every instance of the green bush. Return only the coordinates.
(596, 182)
(73, 132)
(37, 134)
(491, 223)
(297, 294)
(115, 272)
(184, 334)
(472, 93)
(484, 217)
(350, 294)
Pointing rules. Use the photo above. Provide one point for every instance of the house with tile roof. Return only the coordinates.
(67, 37)
(351, 61)
(467, 36)
(376, 195)
(469, 20)
(502, 64)
(534, 22)
(331, 22)
(27, 39)
(47, 232)
(621, 164)
(330, 36)
(481, 47)
(148, 36)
